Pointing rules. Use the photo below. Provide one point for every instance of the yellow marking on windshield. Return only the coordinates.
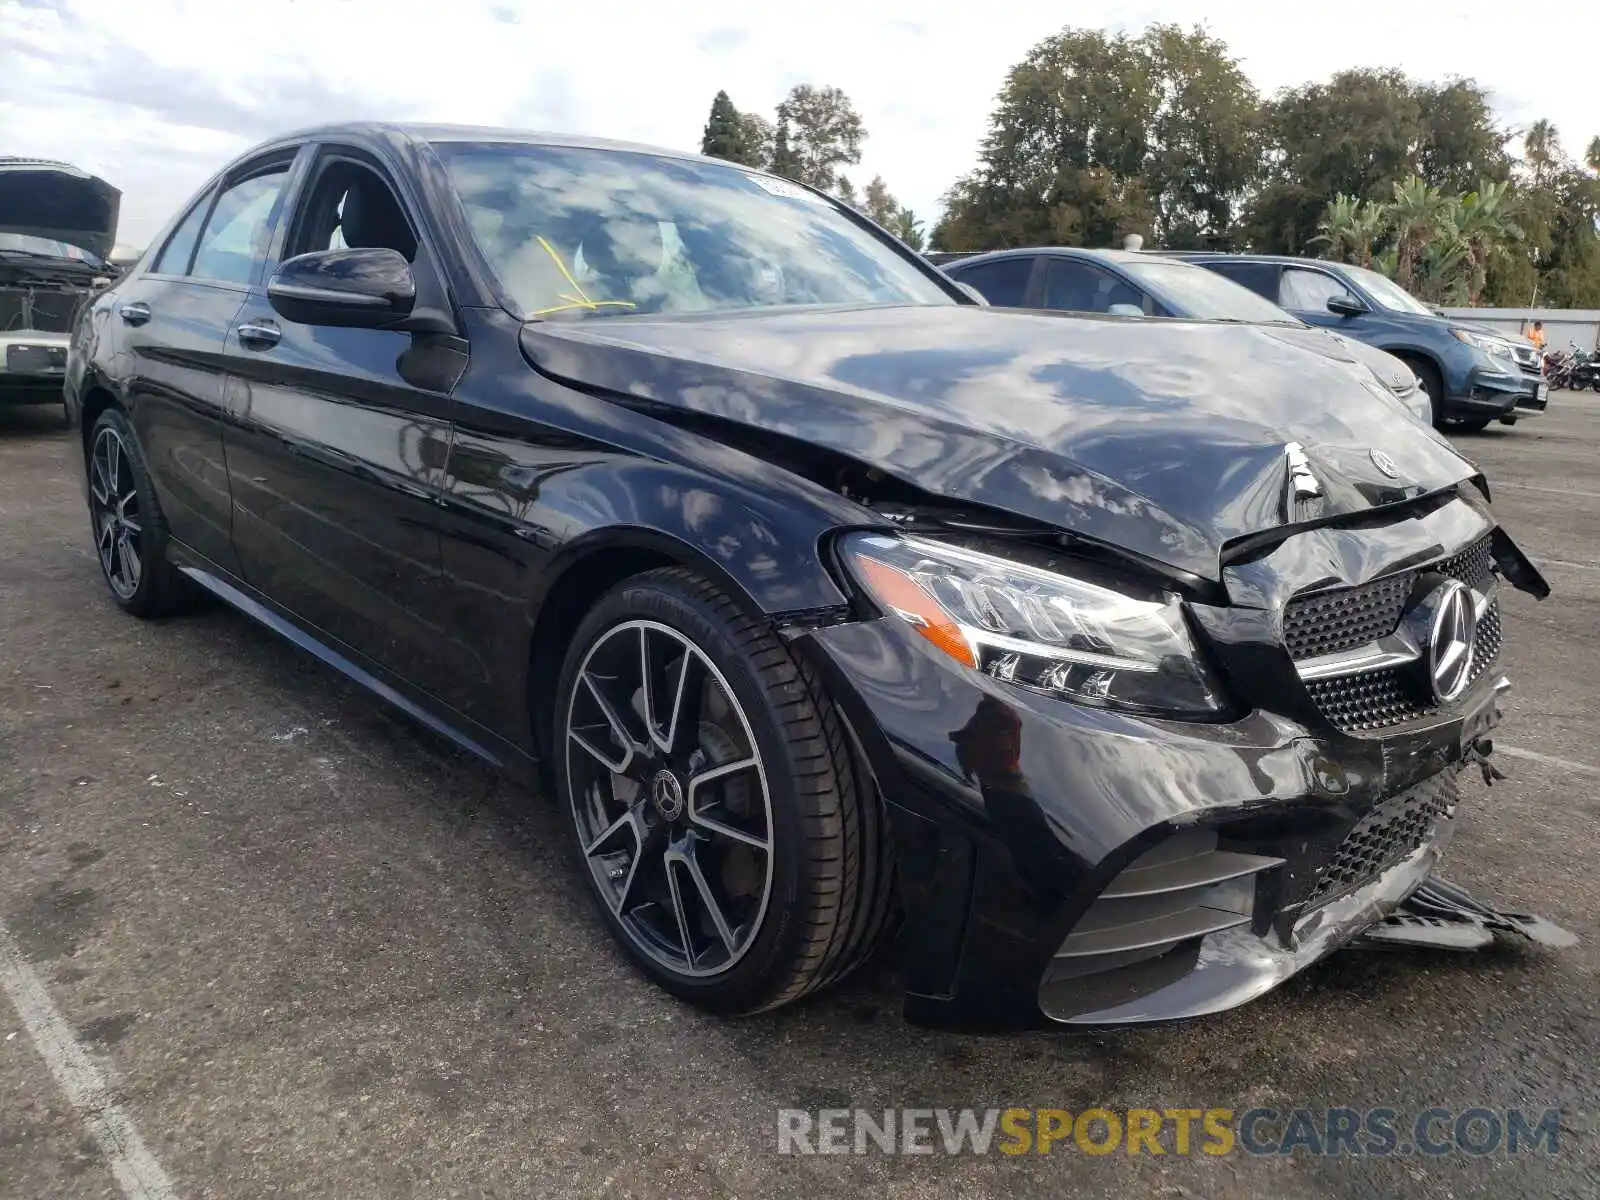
(581, 300)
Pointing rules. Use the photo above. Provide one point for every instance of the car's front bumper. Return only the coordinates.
(1015, 815)
(33, 366)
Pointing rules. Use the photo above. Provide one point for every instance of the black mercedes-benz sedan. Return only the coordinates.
(1128, 667)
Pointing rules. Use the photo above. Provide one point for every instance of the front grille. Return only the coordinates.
(1330, 622)
(1393, 829)
(1371, 700)
(1343, 620)
(48, 310)
(1474, 566)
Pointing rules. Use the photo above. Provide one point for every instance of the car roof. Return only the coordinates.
(434, 133)
(1102, 255)
(1225, 256)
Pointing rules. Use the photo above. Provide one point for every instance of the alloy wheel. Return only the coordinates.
(114, 505)
(670, 798)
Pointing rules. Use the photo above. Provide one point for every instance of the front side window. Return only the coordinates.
(1076, 286)
(1003, 281)
(584, 232)
(235, 241)
(350, 206)
(1309, 291)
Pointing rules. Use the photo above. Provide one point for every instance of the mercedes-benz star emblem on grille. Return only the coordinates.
(1301, 479)
(1451, 641)
(1385, 464)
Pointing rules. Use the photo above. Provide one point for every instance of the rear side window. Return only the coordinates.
(175, 254)
(1003, 282)
(1260, 278)
(235, 241)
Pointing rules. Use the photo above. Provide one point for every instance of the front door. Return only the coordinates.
(337, 443)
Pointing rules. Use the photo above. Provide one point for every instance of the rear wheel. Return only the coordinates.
(130, 533)
(716, 810)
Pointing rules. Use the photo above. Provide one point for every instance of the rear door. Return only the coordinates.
(339, 439)
(173, 322)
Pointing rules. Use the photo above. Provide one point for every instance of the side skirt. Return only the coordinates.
(251, 607)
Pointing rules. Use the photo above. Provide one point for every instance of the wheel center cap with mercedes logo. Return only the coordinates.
(1452, 637)
(666, 793)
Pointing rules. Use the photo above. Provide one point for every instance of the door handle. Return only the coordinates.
(135, 312)
(259, 335)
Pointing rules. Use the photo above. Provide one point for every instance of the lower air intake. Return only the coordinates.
(1145, 927)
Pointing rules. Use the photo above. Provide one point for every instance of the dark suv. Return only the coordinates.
(1472, 374)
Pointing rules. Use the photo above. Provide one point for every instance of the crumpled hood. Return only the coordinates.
(58, 202)
(1164, 438)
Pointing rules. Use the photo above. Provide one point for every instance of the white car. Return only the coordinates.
(57, 224)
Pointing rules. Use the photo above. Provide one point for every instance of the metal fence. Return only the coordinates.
(1562, 326)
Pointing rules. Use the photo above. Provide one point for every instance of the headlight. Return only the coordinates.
(1052, 633)
(1493, 347)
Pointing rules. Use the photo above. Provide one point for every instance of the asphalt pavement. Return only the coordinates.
(264, 938)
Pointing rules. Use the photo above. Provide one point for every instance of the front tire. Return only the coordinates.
(129, 531)
(717, 813)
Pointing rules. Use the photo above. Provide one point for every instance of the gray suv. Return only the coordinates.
(1473, 375)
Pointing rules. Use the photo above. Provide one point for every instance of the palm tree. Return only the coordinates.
(907, 228)
(1415, 216)
(1541, 146)
(1349, 227)
(1484, 223)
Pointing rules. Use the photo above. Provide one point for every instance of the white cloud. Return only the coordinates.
(155, 95)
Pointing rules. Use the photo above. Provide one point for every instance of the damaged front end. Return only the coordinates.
(56, 228)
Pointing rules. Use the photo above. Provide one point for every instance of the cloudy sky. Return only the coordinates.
(156, 94)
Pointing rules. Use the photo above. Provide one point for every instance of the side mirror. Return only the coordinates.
(1125, 310)
(1346, 306)
(976, 296)
(365, 288)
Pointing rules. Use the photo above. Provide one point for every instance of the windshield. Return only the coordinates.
(1387, 292)
(26, 243)
(588, 232)
(1192, 291)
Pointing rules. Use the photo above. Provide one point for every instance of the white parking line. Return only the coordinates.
(1549, 760)
(132, 1164)
(1534, 487)
(1571, 566)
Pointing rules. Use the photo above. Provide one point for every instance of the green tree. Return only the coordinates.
(1360, 133)
(1541, 150)
(1591, 156)
(1349, 228)
(1094, 136)
(784, 161)
(878, 204)
(846, 191)
(824, 133)
(1415, 215)
(757, 133)
(1484, 221)
(724, 133)
(908, 229)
